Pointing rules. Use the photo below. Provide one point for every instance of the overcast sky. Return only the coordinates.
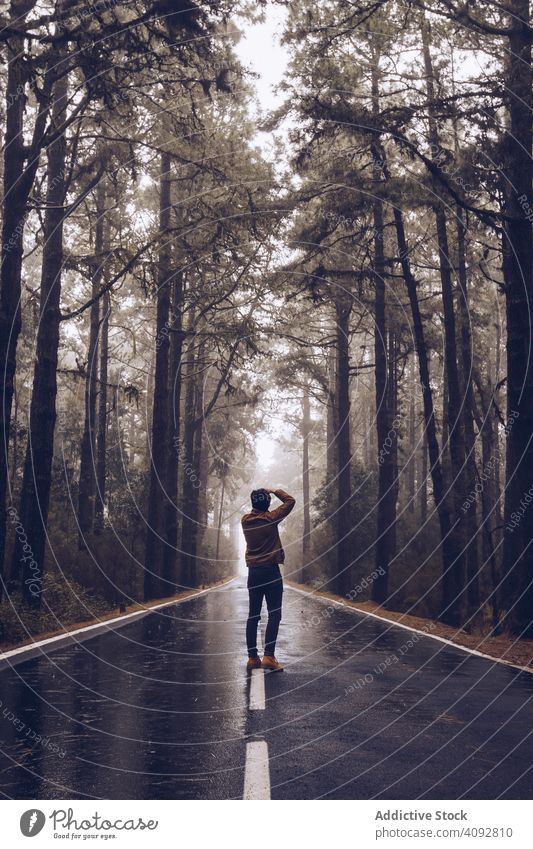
(261, 51)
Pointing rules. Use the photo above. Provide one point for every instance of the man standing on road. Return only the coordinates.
(264, 553)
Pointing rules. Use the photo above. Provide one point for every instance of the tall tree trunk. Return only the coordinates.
(386, 502)
(456, 578)
(331, 414)
(424, 480)
(192, 482)
(445, 457)
(196, 495)
(176, 349)
(191, 492)
(187, 462)
(392, 366)
(203, 468)
(498, 476)
(27, 565)
(220, 514)
(87, 481)
(518, 247)
(305, 431)
(101, 440)
(386, 506)
(449, 547)
(132, 445)
(371, 439)
(153, 559)
(411, 463)
(489, 457)
(15, 457)
(471, 527)
(343, 304)
(17, 183)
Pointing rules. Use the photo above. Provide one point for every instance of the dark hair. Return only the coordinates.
(260, 499)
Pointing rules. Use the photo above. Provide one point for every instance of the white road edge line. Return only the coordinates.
(256, 771)
(257, 690)
(107, 624)
(391, 622)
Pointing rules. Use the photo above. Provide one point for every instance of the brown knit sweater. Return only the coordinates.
(263, 545)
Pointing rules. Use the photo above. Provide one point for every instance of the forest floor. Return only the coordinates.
(112, 615)
(504, 647)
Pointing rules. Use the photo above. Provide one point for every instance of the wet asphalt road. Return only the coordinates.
(160, 709)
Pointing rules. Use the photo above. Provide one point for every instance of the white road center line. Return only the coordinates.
(257, 690)
(256, 771)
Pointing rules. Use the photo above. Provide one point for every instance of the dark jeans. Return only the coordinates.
(264, 582)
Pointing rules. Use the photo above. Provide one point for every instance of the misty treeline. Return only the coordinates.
(169, 290)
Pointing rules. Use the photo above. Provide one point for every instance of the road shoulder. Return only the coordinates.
(78, 633)
(504, 649)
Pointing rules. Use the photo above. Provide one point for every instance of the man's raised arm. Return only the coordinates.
(284, 509)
